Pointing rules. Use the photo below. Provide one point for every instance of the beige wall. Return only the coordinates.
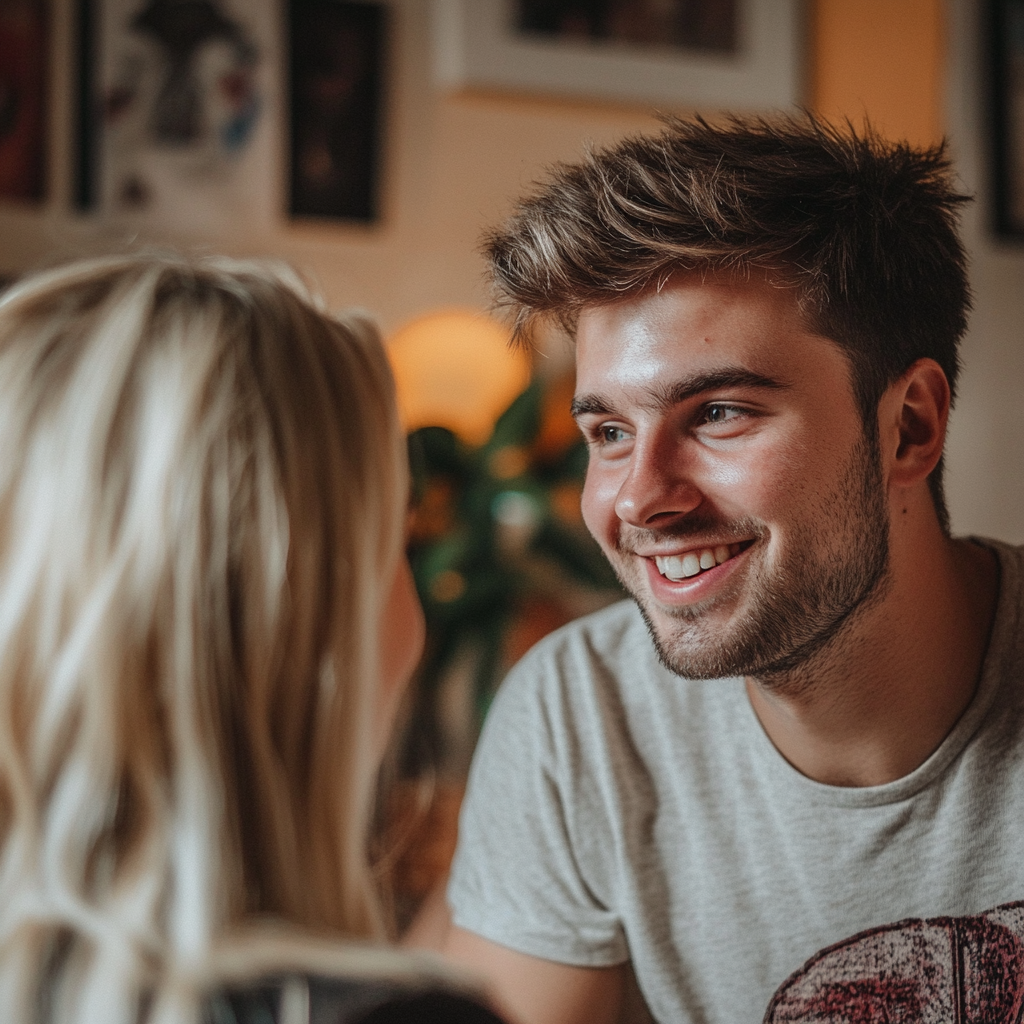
(453, 163)
(882, 58)
(986, 443)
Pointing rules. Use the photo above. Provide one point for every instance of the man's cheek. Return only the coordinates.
(597, 504)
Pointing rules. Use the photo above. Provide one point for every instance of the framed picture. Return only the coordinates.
(173, 110)
(336, 79)
(1006, 45)
(24, 45)
(726, 54)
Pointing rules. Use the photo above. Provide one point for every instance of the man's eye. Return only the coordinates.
(721, 413)
(611, 435)
(605, 434)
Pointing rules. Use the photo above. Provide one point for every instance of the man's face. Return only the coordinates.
(730, 484)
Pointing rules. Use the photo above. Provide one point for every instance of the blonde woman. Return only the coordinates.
(205, 620)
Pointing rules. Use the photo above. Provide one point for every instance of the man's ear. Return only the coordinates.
(913, 414)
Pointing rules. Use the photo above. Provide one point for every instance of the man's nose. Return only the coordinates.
(658, 487)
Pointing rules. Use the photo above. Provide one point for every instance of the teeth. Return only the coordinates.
(681, 567)
(691, 564)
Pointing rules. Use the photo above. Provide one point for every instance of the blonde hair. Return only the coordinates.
(201, 502)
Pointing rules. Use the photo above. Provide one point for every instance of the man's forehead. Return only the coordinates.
(689, 310)
(724, 331)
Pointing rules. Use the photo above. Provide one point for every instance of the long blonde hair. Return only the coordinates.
(201, 501)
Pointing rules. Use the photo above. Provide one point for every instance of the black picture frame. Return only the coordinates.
(24, 113)
(1005, 44)
(703, 25)
(336, 76)
(87, 114)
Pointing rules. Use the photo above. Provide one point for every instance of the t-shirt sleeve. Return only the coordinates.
(525, 869)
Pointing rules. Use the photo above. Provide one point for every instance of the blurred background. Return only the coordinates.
(370, 144)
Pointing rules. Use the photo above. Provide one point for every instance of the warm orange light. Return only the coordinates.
(455, 369)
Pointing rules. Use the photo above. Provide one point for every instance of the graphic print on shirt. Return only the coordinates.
(943, 970)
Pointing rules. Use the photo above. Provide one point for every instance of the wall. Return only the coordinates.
(881, 58)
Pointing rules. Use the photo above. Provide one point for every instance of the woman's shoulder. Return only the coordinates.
(313, 999)
(275, 976)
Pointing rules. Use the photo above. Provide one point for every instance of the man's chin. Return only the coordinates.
(706, 664)
(689, 642)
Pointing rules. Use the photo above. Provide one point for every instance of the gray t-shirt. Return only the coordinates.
(618, 812)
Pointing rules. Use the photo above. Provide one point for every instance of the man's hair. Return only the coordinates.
(865, 229)
(202, 503)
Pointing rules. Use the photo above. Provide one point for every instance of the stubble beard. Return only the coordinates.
(795, 610)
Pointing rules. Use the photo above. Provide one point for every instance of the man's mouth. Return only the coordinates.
(693, 563)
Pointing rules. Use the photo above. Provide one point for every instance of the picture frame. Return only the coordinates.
(477, 46)
(175, 106)
(24, 50)
(1005, 44)
(87, 110)
(336, 78)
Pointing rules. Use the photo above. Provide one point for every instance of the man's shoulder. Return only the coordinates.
(1003, 668)
(1010, 600)
(1005, 550)
(1008, 554)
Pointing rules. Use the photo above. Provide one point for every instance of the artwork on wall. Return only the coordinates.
(24, 42)
(336, 83)
(726, 54)
(698, 25)
(1007, 70)
(174, 99)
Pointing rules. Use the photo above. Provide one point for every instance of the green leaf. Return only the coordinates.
(520, 422)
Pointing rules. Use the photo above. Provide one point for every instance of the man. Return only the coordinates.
(786, 781)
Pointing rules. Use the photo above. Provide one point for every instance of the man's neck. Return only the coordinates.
(871, 707)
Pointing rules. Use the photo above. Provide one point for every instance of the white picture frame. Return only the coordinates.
(192, 187)
(477, 47)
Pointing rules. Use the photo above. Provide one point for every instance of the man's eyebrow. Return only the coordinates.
(583, 405)
(672, 393)
(715, 380)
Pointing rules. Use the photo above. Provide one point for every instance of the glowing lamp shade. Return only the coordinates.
(454, 369)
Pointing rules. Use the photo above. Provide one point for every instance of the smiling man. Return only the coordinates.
(786, 781)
